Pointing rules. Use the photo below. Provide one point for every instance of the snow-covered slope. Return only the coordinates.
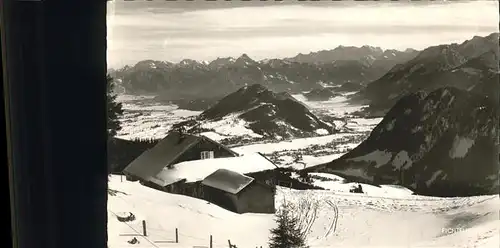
(338, 184)
(363, 220)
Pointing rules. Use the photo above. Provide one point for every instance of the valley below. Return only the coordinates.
(145, 118)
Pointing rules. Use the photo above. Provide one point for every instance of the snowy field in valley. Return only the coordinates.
(383, 217)
(336, 106)
(313, 151)
(146, 118)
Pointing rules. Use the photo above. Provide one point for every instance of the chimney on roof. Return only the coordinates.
(180, 132)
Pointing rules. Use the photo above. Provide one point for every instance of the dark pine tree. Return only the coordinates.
(287, 234)
(115, 110)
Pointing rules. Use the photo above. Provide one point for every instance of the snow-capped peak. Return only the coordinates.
(221, 62)
(188, 62)
(244, 60)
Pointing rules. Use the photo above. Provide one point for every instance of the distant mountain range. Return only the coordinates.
(442, 143)
(381, 77)
(192, 80)
(472, 65)
(370, 55)
(262, 111)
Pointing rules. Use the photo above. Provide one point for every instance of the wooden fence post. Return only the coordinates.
(176, 235)
(144, 232)
(211, 242)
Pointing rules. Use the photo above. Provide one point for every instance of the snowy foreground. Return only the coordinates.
(388, 216)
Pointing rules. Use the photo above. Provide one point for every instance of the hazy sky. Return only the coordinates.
(173, 31)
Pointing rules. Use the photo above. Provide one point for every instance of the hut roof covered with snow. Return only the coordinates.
(175, 148)
(198, 170)
(238, 193)
(228, 181)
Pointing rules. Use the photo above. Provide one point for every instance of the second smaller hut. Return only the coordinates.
(238, 193)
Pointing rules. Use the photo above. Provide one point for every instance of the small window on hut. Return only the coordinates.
(207, 154)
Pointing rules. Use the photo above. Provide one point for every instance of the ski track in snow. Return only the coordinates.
(334, 221)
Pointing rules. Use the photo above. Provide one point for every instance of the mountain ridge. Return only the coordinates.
(266, 113)
(460, 65)
(442, 143)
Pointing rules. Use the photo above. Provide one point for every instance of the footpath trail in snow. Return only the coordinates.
(399, 220)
